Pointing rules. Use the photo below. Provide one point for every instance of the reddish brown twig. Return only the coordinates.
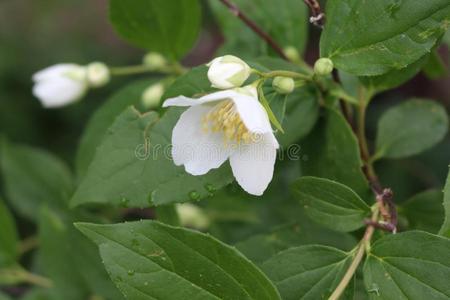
(317, 16)
(253, 26)
(383, 196)
(383, 226)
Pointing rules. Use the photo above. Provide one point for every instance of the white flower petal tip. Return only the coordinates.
(225, 125)
(227, 72)
(60, 85)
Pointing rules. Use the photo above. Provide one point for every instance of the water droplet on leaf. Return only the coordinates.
(210, 188)
(194, 195)
(150, 199)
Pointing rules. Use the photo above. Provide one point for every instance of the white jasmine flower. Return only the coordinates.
(228, 71)
(229, 124)
(60, 85)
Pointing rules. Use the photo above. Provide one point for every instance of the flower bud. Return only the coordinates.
(323, 67)
(283, 85)
(192, 216)
(154, 60)
(152, 95)
(227, 72)
(292, 53)
(97, 74)
(60, 85)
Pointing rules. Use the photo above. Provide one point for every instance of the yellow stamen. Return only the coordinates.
(224, 118)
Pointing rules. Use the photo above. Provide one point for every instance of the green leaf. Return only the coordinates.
(167, 214)
(259, 248)
(424, 211)
(445, 229)
(38, 294)
(70, 260)
(265, 103)
(132, 166)
(368, 39)
(169, 27)
(395, 78)
(4, 296)
(307, 272)
(435, 67)
(55, 255)
(330, 203)
(275, 17)
(413, 266)
(331, 151)
(103, 118)
(302, 112)
(8, 237)
(410, 128)
(33, 177)
(150, 260)
(194, 83)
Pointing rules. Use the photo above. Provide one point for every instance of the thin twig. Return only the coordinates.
(383, 196)
(362, 247)
(317, 16)
(253, 26)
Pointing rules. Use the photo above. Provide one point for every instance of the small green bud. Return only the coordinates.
(97, 74)
(152, 95)
(154, 60)
(323, 67)
(292, 53)
(283, 85)
(192, 216)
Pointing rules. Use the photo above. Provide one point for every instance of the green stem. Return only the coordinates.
(365, 154)
(363, 247)
(37, 280)
(28, 244)
(290, 74)
(130, 70)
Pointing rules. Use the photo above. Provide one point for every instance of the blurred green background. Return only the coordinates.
(36, 34)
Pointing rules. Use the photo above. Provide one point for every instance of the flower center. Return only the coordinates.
(224, 118)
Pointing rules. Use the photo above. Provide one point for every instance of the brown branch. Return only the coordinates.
(253, 26)
(317, 16)
(383, 196)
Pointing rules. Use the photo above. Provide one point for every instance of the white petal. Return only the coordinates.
(185, 101)
(58, 92)
(54, 71)
(198, 151)
(219, 73)
(252, 114)
(253, 164)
